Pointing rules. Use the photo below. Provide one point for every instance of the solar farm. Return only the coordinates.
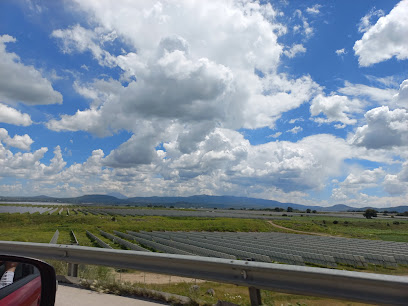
(181, 213)
(344, 241)
(264, 247)
(207, 233)
(27, 209)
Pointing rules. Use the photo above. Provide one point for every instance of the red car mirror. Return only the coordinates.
(26, 282)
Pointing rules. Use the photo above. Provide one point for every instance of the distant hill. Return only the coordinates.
(117, 195)
(192, 201)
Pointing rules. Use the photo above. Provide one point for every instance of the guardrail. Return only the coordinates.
(348, 285)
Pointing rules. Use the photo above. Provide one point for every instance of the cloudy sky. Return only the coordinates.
(301, 101)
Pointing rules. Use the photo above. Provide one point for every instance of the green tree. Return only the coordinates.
(308, 210)
(369, 213)
(290, 209)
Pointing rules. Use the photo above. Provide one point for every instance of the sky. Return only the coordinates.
(294, 101)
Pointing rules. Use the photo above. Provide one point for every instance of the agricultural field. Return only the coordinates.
(377, 245)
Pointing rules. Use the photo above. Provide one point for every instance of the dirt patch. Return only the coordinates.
(300, 232)
(153, 278)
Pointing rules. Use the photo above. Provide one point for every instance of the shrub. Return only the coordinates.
(335, 222)
(369, 213)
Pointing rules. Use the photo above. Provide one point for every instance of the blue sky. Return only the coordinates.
(286, 100)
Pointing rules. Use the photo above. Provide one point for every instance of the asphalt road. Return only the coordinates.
(68, 296)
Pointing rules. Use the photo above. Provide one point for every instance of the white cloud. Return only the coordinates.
(394, 186)
(79, 39)
(365, 22)
(400, 99)
(21, 142)
(314, 10)
(57, 163)
(388, 81)
(341, 52)
(356, 181)
(294, 120)
(20, 165)
(276, 135)
(139, 149)
(12, 116)
(379, 95)
(295, 130)
(186, 74)
(384, 129)
(386, 39)
(283, 95)
(308, 31)
(336, 109)
(363, 178)
(294, 50)
(21, 83)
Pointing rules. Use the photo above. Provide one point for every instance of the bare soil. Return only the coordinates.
(300, 232)
(153, 278)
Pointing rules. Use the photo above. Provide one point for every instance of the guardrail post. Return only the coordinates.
(255, 296)
(72, 269)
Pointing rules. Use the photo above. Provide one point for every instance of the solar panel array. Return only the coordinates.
(178, 213)
(24, 209)
(101, 243)
(275, 247)
(122, 242)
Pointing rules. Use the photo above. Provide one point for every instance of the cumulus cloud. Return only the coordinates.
(79, 39)
(386, 39)
(22, 142)
(394, 186)
(335, 108)
(400, 99)
(184, 75)
(57, 163)
(294, 50)
(224, 158)
(356, 181)
(20, 165)
(21, 83)
(283, 95)
(139, 149)
(385, 128)
(12, 116)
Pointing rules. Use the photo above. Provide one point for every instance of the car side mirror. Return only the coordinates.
(26, 281)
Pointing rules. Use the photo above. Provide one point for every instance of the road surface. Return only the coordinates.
(68, 296)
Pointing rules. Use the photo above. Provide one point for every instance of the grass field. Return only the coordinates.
(40, 228)
(389, 230)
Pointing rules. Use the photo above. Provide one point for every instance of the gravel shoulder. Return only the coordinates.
(69, 295)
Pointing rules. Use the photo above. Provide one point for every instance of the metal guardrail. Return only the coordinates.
(355, 286)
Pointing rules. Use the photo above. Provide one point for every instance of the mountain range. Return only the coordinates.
(205, 201)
